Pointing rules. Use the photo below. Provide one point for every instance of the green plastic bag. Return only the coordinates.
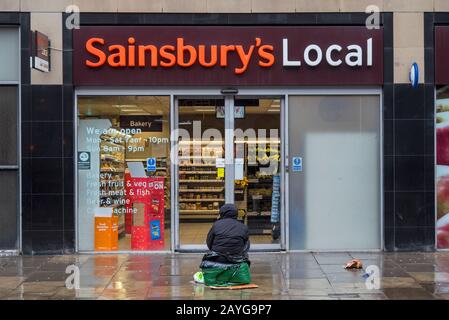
(231, 275)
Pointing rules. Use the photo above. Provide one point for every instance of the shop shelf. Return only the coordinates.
(189, 142)
(187, 165)
(197, 172)
(213, 211)
(259, 214)
(198, 157)
(202, 190)
(261, 180)
(258, 141)
(201, 200)
(201, 181)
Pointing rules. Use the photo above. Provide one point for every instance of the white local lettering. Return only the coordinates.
(313, 55)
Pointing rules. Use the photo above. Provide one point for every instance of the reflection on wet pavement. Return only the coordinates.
(279, 276)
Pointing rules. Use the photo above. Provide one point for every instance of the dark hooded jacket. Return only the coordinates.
(229, 237)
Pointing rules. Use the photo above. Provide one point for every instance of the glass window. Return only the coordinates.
(123, 173)
(8, 176)
(9, 54)
(8, 125)
(8, 210)
(258, 147)
(334, 195)
(201, 186)
(442, 169)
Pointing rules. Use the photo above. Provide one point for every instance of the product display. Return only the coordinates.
(145, 203)
(263, 186)
(106, 230)
(112, 169)
(201, 191)
(126, 173)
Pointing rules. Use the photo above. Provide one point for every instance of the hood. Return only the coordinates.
(228, 211)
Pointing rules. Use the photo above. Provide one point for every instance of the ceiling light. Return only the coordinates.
(273, 110)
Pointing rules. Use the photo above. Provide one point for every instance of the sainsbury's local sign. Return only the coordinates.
(262, 56)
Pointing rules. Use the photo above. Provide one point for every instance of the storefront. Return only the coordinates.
(172, 122)
(146, 117)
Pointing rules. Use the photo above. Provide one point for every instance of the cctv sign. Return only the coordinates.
(228, 56)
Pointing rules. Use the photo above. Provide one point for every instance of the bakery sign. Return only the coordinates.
(137, 123)
(231, 55)
(41, 52)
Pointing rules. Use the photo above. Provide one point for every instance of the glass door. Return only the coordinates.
(228, 151)
(257, 168)
(201, 167)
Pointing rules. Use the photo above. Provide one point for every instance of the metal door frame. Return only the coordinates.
(229, 170)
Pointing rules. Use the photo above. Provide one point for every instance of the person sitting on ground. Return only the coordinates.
(228, 242)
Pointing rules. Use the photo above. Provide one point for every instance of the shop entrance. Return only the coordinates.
(228, 151)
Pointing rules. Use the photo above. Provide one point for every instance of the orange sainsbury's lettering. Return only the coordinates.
(266, 53)
(170, 57)
(180, 53)
(224, 54)
(96, 52)
(142, 55)
(132, 52)
(117, 59)
(202, 55)
(244, 58)
(181, 50)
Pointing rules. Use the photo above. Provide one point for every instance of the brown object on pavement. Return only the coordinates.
(354, 264)
(239, 287)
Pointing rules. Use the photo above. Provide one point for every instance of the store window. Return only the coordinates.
(442, 169)
(9, 54)
(334, 175)
(9, 142)
(123, 173)
(9, 177)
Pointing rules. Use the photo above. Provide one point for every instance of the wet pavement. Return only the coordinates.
(279, 276)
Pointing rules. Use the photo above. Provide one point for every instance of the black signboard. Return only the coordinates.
(142, 123)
